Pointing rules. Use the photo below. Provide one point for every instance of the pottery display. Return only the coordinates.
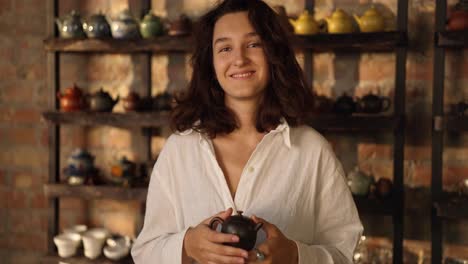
(70, 26)
(67, 244)
(124, 26)
(132, 102)
(371, 21)
(96, 26)
(117, 248)
(123, 171)
(383, 188)
(72, 99)
(151, 26)
(339, 22)
(359, 183)
(93, 241)
(344, 105)
(245, 228)
(80, 229)
(162, 102)
(373, 104)
(305, 24)
(181, 26)
(80, 167)
(101, 101)
(458, 18)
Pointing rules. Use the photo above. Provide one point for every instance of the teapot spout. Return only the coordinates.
(58, 22)
(293, 22)
(116, 100)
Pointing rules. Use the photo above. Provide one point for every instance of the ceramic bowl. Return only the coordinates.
(67, 244)
(117, 252)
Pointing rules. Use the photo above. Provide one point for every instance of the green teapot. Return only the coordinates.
(70, 26)
(151, 26)
(359, 183)
(339, 22)
(371, 21)
(305, 24)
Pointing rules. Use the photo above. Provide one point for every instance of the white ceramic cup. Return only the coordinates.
(67, 244)
(93, 240)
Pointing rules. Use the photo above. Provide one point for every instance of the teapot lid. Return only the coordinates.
(101, 92)
(372, 11)
(73, 15)
(125, 15)
(74, 90)
(339, 13)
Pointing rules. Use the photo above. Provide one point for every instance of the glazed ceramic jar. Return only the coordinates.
(151, 26)
(70, 26)
(96, 26)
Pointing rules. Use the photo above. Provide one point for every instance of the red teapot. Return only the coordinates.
(72, 99)
(459, 17)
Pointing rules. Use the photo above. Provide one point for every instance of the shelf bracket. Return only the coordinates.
(438, 123)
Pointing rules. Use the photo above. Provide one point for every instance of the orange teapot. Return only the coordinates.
(72, 99)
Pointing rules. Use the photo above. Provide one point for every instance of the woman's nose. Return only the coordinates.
(240, 58)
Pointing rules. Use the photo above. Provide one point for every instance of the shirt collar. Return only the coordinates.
(282, 128)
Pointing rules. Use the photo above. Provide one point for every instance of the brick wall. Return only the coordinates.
(23, 96)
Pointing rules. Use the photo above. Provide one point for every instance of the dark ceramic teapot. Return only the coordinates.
(241, 226)
(72, 99)
(96, 26)
(70, 26)
(322, 104)
(102, 102)
(162, 102)
(344, 105)
(373, 104)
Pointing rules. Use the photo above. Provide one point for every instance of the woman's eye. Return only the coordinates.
(224, 49)
(254, 45)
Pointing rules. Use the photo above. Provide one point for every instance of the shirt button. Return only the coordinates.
(251, 169)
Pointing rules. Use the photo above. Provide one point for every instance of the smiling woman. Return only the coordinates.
(241, 145)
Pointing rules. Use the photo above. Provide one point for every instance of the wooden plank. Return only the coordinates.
(53, 259)
(354, 123)
(366, 42)
(141, 119)
(95, 192)
(376, 41)
(452, 207)
(159, 44)
(368, 206)
(452, 39)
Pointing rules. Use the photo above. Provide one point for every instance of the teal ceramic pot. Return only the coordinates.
(70, 26)
(96, 26)
(151, 26)
(359, 183)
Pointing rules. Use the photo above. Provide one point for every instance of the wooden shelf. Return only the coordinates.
(95, 192)
(368, 206)
(452, 206)
(377, 41)
(456, 123)
(325, 122)
(452, 39)
(355, 122)
(140, 119)
(160, 44)
(53, 259)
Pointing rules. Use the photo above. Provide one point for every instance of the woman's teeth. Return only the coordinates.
(242, 75)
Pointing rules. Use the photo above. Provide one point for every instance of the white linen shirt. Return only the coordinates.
(292, 179)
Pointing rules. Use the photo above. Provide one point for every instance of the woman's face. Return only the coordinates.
(239, 59)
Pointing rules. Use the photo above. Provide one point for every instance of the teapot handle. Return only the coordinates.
(385, 103)
(214, 221)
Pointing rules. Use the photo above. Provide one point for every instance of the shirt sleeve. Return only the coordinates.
(337, 225)
(160, 240)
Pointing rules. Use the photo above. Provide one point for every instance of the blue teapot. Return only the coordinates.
(125, 26)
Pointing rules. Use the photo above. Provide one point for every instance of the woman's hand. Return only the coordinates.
(205, 245)
(277, 248)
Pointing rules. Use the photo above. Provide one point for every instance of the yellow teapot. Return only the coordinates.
(371, 21)
(305, 24)
(339, 22)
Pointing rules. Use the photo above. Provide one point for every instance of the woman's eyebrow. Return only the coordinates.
(224, 39)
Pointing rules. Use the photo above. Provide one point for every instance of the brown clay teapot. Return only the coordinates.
(180, 27)
(72, 99)
(241, 226)
(373, 104)
(458, 19)
(131, 102)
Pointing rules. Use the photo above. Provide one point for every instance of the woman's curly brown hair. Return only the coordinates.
(201, 107)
